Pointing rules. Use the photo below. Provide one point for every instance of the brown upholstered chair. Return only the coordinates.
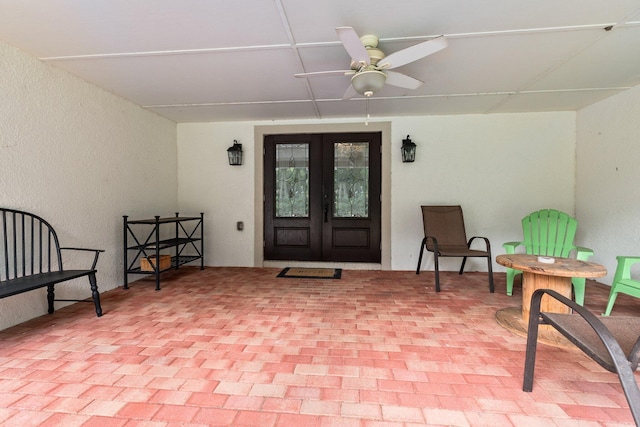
(445, 236)
(612, 342)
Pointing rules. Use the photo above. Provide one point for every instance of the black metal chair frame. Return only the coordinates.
(579, 328)
(430, 242)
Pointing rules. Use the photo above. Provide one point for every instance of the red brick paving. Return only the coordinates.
(238, 346)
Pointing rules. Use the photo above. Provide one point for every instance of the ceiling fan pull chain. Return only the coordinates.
(366, 120)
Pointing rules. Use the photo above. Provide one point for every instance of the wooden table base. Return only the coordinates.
(532, 281)
(538, 273)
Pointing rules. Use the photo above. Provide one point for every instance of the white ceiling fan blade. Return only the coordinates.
(326, 73)
(402, 80)
(353, 45)
(413, 53)
(350, 93)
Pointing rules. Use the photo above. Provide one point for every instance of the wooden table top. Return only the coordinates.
(563, 267)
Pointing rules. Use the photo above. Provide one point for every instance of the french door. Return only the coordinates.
(322, 197)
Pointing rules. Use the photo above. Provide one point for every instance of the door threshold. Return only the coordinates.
(317, 264)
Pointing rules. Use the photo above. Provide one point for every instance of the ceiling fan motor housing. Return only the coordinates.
(375, 55)
(370, 42)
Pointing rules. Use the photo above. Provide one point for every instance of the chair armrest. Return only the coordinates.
(95, 259)
(619, 359)
(486, 242)
(555, 319)
(623, 270)
(510, 247)
(583, 254)
(433, 240)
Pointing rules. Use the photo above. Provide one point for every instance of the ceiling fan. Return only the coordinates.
(370, 67)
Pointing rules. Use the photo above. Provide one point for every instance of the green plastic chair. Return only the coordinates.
(622, 281)
(549, 232)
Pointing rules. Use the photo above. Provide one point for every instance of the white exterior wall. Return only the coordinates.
(498, 167)
(608, 173)
(224, 193)
(81, 158)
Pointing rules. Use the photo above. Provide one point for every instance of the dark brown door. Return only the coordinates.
(322, 197)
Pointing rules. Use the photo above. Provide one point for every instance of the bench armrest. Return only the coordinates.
(95, 259)
(510, 247)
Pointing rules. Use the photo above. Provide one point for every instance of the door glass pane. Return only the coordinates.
(351, 180)
(292, 180)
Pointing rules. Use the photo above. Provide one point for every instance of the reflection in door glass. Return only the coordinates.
(292, 180)
(351, 180)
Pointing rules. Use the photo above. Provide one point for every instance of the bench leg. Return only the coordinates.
(95, 294)
(50, 297)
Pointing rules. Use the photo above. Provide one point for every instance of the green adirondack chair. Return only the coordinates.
(622, 281)
(549, 232)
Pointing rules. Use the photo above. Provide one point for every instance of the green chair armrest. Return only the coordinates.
(583, 254)
(623, 271)
(510, 247)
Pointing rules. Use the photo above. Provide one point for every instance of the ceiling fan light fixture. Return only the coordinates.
(368, 81)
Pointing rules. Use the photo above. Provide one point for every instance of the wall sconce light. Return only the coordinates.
(235, 154)
(408, 150)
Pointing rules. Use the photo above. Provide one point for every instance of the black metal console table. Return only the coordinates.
(153, 238)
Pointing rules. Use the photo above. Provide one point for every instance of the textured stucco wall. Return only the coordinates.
(608, 155)
(81, 158)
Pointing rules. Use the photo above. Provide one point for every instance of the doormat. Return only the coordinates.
(311, 273)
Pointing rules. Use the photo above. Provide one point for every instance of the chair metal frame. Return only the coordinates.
(450, 240)
(602, 339)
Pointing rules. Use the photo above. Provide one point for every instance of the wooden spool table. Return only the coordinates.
(543, 275)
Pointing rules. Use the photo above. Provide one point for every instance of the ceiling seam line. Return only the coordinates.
(287, 27)
(295, 45)
(474, 34)
(450, 95)
(165, 52)
(215, 104)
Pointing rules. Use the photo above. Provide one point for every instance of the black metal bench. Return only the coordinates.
(612, 342)
(31, 258)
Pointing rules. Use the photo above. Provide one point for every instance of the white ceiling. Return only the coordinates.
(223, 60)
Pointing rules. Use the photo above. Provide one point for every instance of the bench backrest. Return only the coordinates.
(549, 232)
(28, 245)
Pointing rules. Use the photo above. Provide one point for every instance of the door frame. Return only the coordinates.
(383, 127)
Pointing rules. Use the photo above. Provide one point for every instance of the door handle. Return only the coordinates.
(325, 209)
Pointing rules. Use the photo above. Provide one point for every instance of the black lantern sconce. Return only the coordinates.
(408, 150)
(235, 154)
